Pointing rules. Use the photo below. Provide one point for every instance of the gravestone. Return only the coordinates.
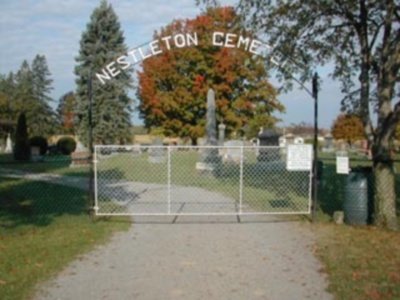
(35, 154)
(269, 137)
(136, 150)
(156, 152)
(81, 156)
(8, 148)
(221, 134)
(328, 147)
(233, 151)
(221, 138)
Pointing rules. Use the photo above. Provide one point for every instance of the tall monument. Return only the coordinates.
(211, 125)
(209, 156)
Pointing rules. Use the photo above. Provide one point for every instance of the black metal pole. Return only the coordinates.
(315, 161)
(91, 175)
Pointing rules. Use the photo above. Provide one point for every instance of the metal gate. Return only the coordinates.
(198, 180)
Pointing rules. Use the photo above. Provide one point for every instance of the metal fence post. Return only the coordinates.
(241, 180)
(169, 178)
(96, 205)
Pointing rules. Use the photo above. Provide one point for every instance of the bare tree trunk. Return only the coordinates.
(385, 195)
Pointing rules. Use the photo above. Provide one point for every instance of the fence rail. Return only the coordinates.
(198, 180)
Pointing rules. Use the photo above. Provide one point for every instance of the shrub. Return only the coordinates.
(41, 142)
(66, 145)
(22, 149)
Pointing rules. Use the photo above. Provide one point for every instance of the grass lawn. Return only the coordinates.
(58, 164)
(42, 228)
(362, 262)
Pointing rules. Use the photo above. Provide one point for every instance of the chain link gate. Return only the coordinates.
(198, 180)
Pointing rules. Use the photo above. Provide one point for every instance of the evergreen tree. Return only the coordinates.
(21, 149)
(101, 43)
(30, 95)
(24, 100)
(66, 113)
(44, 116)
(7, 95)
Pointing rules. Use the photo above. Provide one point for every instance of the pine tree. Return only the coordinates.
(101, 43)
(66, 113)
(32, 86)
(21, 149)
(24, 101)
(44, 122)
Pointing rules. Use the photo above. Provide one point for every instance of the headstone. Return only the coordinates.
(233, 151)
(298, 140)
(221, 138)
(328, 147)
(136, 150)
(80, 147)
(221, 134)
(289, 139)
(8, 148)
(210, 157)
(35, 154)
(81, 156)
(157, 152)
(269, 137)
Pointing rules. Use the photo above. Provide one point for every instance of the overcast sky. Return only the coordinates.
(53, 28)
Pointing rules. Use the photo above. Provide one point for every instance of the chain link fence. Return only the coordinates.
(208, 180)
(169, 180)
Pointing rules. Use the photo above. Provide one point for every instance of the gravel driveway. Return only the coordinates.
(251, 257)
(197, 258)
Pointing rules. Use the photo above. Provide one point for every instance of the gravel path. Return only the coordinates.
(252, 257)
(197, 258)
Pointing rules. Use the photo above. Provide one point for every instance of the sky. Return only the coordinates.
(53, 28)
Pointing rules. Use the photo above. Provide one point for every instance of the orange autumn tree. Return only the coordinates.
(349, 128)
(173, 85)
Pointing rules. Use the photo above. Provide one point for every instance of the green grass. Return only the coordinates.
(361, 262)
(57, 164)
(42, 228)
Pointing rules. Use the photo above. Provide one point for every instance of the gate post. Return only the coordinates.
(241, 180)
(315, 161)
(96, 205)
(169, 178)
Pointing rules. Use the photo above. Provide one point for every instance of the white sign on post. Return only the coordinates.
(299, 157)
(342, 165)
